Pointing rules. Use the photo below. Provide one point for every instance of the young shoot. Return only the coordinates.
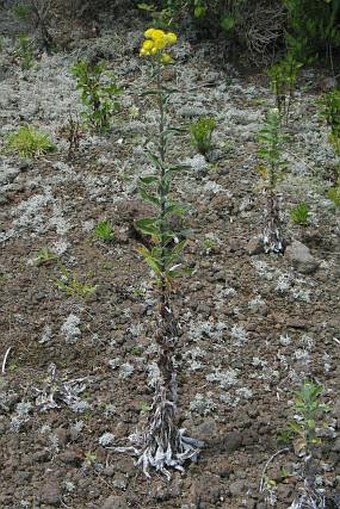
(98, 93)
(272, 172)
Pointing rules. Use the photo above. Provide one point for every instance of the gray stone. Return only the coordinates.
(232, 441)
(115, 502)
(255, 246)
(336, 446)
(301, 258)
(206, 430)
(237, 488)
(50, 494)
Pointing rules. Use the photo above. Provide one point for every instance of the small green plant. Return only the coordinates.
(283, 77)
(104, 231)
(300, 214)
(201, 133)
(28, 142)
(72, 286)
(334, 194)
(45, 256)
(330, 111)
(90, 458)
(136, 351)
(310, 414)
(98, 93)
(24, 51)
(22, 12)
(144, 407)
(271, 141)
(72, 132)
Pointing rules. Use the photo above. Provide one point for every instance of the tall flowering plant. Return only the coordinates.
(163, 444)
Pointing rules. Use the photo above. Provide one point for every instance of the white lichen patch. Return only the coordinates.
(193, 358)
(153, 374)
(202, 404)
(46, 335)
(106, 439)
(126, 370)
(239, 335)
(285, 340)
(223, 378)
(70, 328)
(206, 329)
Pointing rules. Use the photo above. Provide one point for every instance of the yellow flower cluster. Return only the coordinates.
(156, 42)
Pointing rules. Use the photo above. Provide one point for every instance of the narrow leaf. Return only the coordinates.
(149, 197)
(150, 179)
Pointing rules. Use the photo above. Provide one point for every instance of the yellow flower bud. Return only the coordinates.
(147, 45)
(148, 33)
(171, 38)
(166, 59)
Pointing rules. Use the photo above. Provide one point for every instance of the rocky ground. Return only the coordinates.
(78, 372)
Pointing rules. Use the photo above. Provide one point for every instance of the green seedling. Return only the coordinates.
(283, 77)
(98, 93)
(330, 112)
(271, 141)
(209, 246)
(334, 194)
(310, 414)
(300, 214)
(45, 256)
(137, 351)
(104, 231)
(90, 458)
(24, 51)
(22, 12)
(201, 133)
(144, 407)
(72, 287)
(28, 142)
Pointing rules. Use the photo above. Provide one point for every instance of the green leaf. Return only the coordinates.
(296, 428)
(155, 160)
(150, 179)
(150, 260)
(174, 209)
(149, 226)
(199, 12)
(179, 247)
(146, 7)
(149, 197)
(228, 23)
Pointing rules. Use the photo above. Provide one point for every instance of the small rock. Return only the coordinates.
(50, 494)
(232, 441)
(205, 431)
(120, 483)
(109, 471)
(207, 488)
(115, 502)
(237, 488)
(63, 436)
(41, 456)
(71, 457)
(336, 446)
(214, 155)
(3, 199)
(301, 258)
(255, 246)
